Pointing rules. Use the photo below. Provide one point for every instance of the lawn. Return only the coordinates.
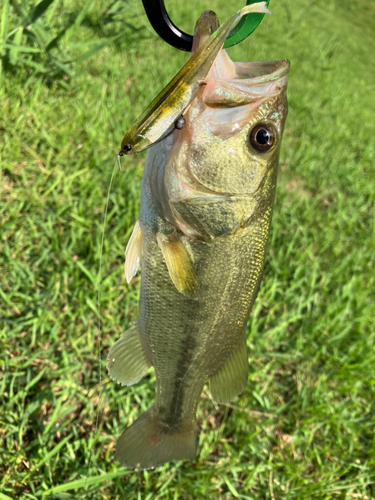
(304, 427)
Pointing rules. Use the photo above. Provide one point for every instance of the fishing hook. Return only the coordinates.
(168, 31)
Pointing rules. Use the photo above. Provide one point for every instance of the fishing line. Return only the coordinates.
(99, 321)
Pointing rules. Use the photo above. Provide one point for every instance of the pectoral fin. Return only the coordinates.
(179, 264)
(231, 379)
(133, 252)
(181, 209)
(127, 361)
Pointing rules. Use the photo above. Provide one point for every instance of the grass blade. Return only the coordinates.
(13, 52)
(96, 49)
(22, 48)
(36, 13)
(4, 26)
(80, 483)
(53, 452)
(4, 497)
(3, 33)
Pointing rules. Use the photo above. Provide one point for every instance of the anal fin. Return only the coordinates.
(127, 361)
(179, 264)
(231, 379)
(133, 252)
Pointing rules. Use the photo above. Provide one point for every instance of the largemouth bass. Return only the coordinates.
(164, 112)
(206, 206)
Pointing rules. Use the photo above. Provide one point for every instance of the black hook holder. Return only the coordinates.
(160, 21)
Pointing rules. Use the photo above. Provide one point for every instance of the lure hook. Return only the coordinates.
(168, 31)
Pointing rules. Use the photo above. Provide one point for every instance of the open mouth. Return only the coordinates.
(252, 82)
(262, 71)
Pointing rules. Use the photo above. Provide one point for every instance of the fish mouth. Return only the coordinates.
(262, 71)
(250, 82)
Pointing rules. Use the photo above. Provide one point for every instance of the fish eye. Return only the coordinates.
(263, 137)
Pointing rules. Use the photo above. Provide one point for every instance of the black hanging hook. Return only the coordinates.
(160, 21)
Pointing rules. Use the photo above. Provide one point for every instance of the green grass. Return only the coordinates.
(304, 428)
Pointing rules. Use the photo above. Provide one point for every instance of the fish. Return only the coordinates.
(164, 112)
(206, 206)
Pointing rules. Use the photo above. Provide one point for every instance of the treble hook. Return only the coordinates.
(164, 27)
